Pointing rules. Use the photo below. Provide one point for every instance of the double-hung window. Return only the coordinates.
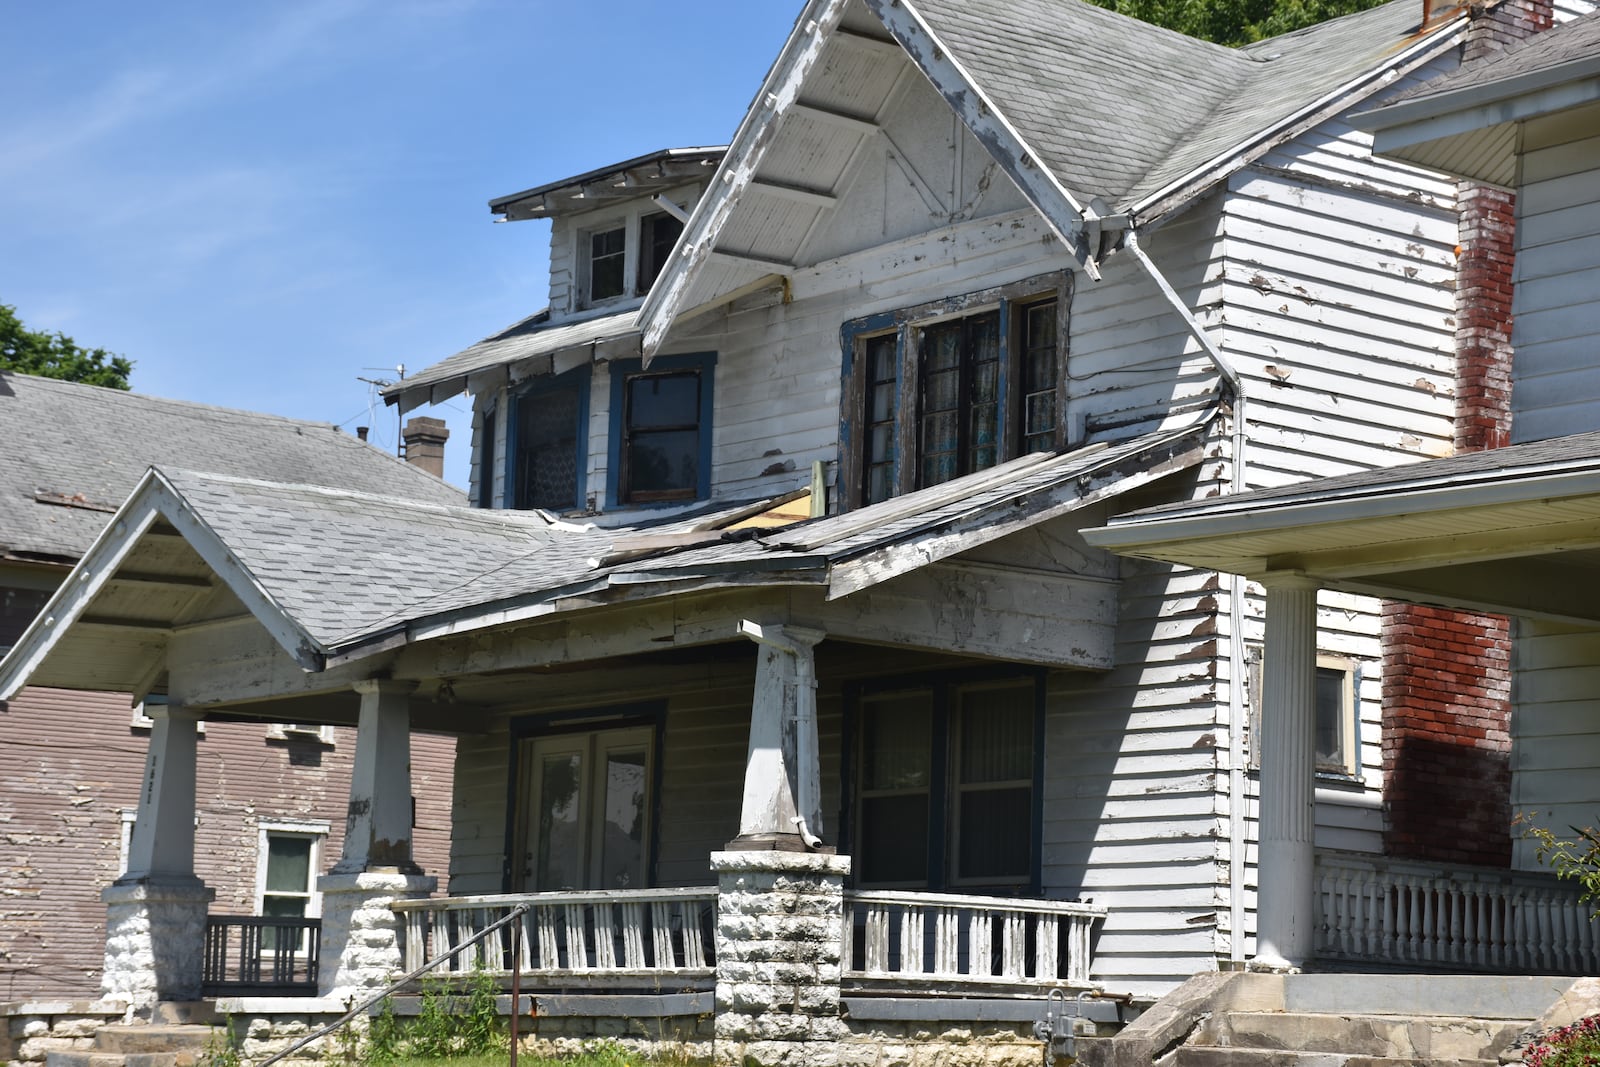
(549, 418)
(938, 391)
(946, 782)
(286, 873)
(1337, 710)
(626, 257)
(661, 430)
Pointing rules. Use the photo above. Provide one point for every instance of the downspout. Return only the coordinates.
(1234, 384)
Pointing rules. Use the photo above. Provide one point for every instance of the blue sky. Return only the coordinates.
(261, 203)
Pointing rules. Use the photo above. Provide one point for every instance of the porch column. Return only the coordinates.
(782, 806)
(1284, 903)
(360, 950)
(156, 912)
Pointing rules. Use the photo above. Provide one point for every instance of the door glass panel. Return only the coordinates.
(623, 821)
(560, 856)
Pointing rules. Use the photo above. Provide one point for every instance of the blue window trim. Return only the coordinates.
(488, 426)
(621, 371)
(579, 376)
(652, 714)
(942, 684)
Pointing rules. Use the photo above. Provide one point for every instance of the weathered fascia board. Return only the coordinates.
(233, 665)
(990, 126)
(1538, 588)
(989, 525)
(801, 53)
(1061, 620)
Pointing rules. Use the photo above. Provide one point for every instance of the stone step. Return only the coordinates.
(1426, 1037)
(185, 1013)
(1200, 1056)
(136, 1038)
(186, 1057)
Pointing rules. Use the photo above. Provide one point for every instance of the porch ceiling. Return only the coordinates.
(1515, 531)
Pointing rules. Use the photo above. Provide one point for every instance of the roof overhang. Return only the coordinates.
(107, 626)
(1509, 541)
(625, 180)
(1472, 131)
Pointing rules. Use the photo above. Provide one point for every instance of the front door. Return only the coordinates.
(585, 810)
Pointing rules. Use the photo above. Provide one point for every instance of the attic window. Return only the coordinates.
(657, 234)
(939, 391)
(608, 253)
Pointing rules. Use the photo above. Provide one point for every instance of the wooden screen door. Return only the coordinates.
(586, 810)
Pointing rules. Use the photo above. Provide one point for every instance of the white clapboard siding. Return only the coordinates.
(1555, 390)
(1554, 747)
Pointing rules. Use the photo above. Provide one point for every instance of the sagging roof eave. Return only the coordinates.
(998, 135)
(606, 591)
(152, 499)
(1159, 206)
(1168, 536)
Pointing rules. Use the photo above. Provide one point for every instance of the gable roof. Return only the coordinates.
(335, 576)
(1465, 122)
(70, 454)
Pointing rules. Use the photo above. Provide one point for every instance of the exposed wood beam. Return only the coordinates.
(745, 259)
(885, 47)
(669, 207)
(113, 622)
(795, 193)
(866, 127)
(179, 581)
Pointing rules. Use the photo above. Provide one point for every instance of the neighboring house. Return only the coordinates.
(1512, 531)
(271, 796)
(965, 300)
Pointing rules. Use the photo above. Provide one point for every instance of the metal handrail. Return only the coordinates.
(516, 991)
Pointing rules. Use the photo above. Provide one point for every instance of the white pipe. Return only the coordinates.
(1236, 585)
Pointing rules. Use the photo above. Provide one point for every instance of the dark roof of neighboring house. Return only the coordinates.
(70, 454)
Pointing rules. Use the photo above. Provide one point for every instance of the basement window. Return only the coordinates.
(939, 391)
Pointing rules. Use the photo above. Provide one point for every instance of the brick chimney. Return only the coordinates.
(424, 438)
(1447, 674)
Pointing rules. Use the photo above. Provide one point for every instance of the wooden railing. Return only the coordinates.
(257, 954)
(604, 938)
(1379, 910)
(917, 939)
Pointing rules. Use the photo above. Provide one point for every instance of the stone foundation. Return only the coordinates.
(31, 1030)
(155, 941)
(778, 920)
(360, 933)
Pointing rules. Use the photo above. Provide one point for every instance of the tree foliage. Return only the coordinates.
(55, 355)
(1235, 22)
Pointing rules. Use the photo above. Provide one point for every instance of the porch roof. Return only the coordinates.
(337, 576)
(1513, 530)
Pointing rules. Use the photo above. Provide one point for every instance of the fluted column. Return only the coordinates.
(1284, 908)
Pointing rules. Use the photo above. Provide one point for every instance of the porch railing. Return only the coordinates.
(1378, 910)
(590, 937)
(914, 939)
(260, 954)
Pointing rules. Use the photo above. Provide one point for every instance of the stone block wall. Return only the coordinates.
(31, 1030)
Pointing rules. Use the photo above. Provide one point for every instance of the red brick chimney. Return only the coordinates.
(424, 438)
(1447, 674)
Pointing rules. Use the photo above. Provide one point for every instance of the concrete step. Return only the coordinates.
(187, 1057)
(1382, 1036)
(136, 1038)
(186, 1013)
(1199, 1056)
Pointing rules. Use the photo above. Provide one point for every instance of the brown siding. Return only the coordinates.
(73, 764)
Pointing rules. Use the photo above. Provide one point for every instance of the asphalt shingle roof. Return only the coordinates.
(1575, 40)
(84, 448)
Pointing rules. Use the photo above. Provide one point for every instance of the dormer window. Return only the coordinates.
(657, 234)
(608, 257)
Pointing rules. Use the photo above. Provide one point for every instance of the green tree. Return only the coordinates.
(1235, 22)
(55, 355)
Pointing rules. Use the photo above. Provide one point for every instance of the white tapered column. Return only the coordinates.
(1284, 908)
(782, 792)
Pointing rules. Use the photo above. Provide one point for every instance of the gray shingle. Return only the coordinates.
(88, 447)
(1577, 40)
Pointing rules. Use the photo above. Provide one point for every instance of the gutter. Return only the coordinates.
(1232, 384)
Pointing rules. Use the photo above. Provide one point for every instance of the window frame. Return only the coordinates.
(618, 494)
(313, 829)
(525, 728)
(586, 239)
(944, 788)
(1345, 766)
(579, 378)
(643, 262)
(907, 325)
(488, 431)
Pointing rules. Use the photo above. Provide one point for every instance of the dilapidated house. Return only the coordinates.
(775, 589)
(270, 797)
